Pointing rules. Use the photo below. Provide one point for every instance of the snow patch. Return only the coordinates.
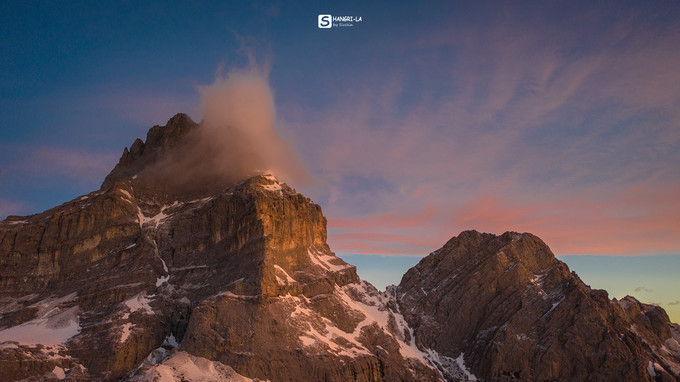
(183, 366)
(190, 267)
(157, 219)
(163, 279)
(450, 368)
(54, 324)
(372, 304)
(522, 337)
(324, 261)
(282, 281)
(127, 329)
(58, 372)
(17, 222)
(650, 369)
(237, 296)
(273, 187)
(460, 361)
(270, 176)
(307, 341)
(139, 302)
(320, 331)
(157, 355)
(538, 280)
(555, 303)
(276, 187)
(171, 341)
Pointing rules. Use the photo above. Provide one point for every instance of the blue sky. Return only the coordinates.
(422, 120)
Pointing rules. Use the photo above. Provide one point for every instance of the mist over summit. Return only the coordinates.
(235, 140)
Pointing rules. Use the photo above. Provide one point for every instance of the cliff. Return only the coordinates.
(119, 278)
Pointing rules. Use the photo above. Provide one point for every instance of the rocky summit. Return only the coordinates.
(507, 308)
(235, 282)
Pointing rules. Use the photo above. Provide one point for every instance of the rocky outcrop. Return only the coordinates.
(507, 308)
(160, 142)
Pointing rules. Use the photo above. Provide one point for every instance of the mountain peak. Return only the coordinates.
(160, 140)
(472, 247)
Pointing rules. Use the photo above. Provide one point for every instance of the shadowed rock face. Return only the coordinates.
(517, 313)
(161, 141)
(241, 275)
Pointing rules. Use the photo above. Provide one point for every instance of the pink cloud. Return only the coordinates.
(370, 248)
(634, 221)
(578, 148)
(406, 243)
(389, 220)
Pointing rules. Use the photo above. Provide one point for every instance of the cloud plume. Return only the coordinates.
(236, 139)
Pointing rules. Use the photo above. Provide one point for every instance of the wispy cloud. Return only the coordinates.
(75, 164)
(83, 166)
(530, 130)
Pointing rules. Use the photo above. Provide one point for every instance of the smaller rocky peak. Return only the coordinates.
(627, 302)
(159, 140)
(264, 178)
(257, 183)
(136, 150)
(509, 248)
(649, 315)
(269, 182)
(511, 261)
(269, 188)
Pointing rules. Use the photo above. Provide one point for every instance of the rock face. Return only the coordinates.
(512, 312)
(109, 284)
(160, 140)
(141, 282)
